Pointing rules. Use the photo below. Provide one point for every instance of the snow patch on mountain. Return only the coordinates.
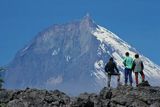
(119, 48)
(109, 38)
(55, 52)
(68, 58)
(25, 48)
(118, 59)
(99, 73)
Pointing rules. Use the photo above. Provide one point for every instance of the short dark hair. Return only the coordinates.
(111, 59)
(136, 56)
(127, 53)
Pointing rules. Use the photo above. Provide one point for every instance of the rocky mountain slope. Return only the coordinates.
(72, 54)
(123, 96)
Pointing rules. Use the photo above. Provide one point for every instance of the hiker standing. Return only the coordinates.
(138, 68)
(110, 69)
(128, 62)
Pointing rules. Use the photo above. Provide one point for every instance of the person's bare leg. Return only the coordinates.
(118, 80)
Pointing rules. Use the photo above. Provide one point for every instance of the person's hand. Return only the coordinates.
(118, 73)
(109, 73)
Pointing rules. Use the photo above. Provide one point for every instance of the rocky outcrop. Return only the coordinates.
(33, 98)
(124, 96)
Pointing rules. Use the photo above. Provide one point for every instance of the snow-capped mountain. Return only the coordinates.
(72, 55)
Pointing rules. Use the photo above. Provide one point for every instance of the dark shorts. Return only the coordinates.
(110, 74)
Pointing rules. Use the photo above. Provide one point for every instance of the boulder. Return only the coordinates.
(144, 84)
(124, 96)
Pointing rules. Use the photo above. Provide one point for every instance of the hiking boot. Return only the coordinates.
(125, 84)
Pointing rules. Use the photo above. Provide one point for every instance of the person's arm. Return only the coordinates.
(115, 66)
(106, 68)
(142, 65)
(124, 61)
(133, 66)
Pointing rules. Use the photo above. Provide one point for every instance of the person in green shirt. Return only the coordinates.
(128, 63)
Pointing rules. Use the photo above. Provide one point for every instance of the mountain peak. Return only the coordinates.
(87, 21)
(87, 16)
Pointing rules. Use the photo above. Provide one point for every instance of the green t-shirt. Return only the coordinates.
(128, 62)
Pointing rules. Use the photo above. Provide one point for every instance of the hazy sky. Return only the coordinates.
(135, 21)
